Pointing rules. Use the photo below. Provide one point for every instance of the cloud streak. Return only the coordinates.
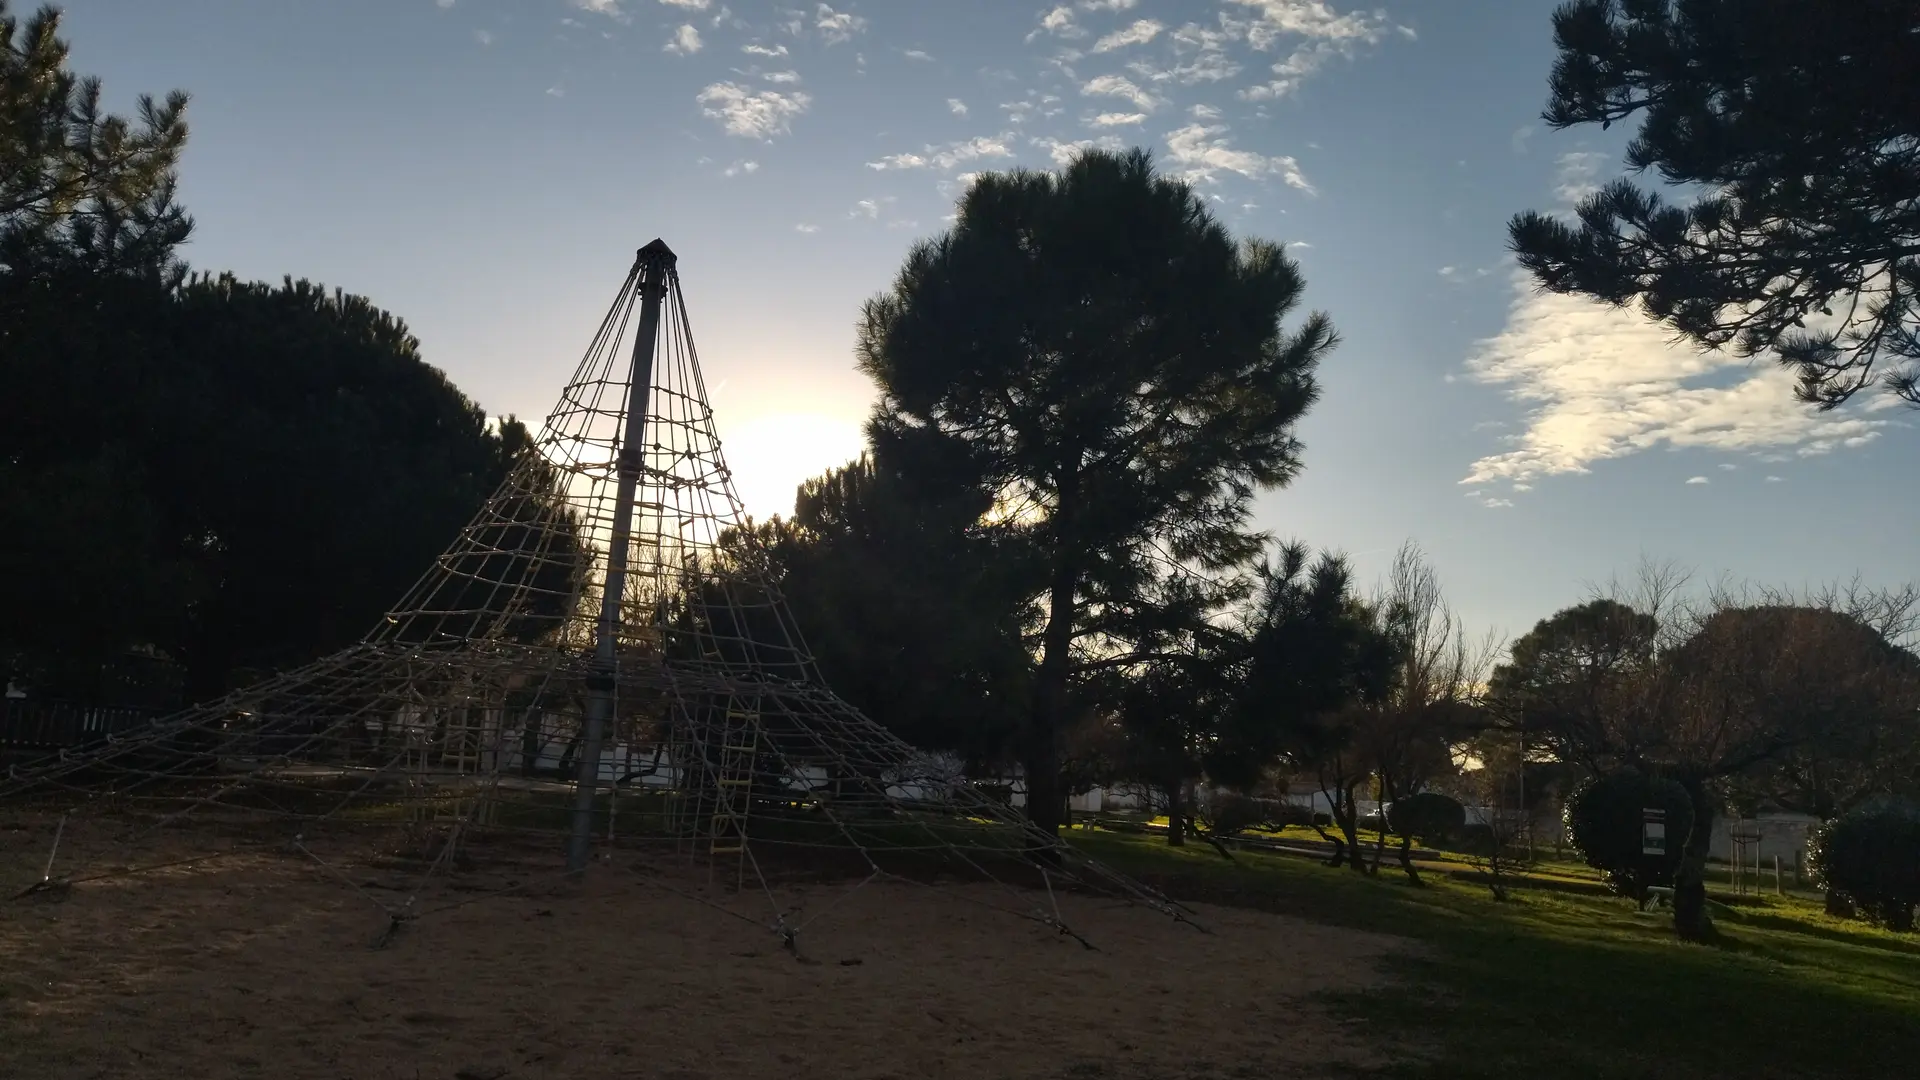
(950, 156)
(752, 114)
(1204, 152)
(1600, 383)
(1119, 86)
(1141, 32)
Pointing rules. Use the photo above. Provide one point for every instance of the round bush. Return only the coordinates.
(1604, 818)
(1870, 858)
(1430, 817)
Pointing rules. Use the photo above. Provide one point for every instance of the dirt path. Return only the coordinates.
(262, 966)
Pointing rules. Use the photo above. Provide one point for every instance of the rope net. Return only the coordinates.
(675, 722)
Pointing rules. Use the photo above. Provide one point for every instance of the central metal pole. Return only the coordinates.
(656, 265)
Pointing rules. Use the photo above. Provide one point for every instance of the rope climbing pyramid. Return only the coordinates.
(600, 668)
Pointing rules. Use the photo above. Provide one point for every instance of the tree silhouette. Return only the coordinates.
(1731, 694)
(1804, 131)
(1114, 366)
(1317, 659)
(79, 186)
(239, 474)
(912, 608)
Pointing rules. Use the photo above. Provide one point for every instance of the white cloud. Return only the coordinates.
(1309, 18)
(599, 7)
(1116, 119)
(556, 91)
(1141, 32)
(751, 114)
(1063, 152)
(950, 156)
(803, 227)
(1120, 86)
(757, 49)
(1329, 35)
(1728, 466)
(1204, 153)
(1204, 112)
(740, 167)
(1108, 5)
(870, 208)
(1698, 480)
(1058, 22)
(685, 42)
(1776, 479)
(1460, 275)
(1194, 36)
(484, 37)
(918, 54)
(837, 26)
(1521, 135)
(443, 4)
(1601, 383)
(1298, 244)
(689, 5)
(1408, 32)
(956, 106)
(1206, 67)
(1578, 172)
(781, 77)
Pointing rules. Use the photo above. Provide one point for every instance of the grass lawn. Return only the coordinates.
(1552, 985)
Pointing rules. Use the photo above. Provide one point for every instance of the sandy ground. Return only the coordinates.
(263, 965)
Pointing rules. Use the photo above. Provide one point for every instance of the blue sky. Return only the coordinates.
(485, 169)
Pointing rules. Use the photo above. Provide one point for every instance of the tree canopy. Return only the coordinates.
(1800, 132)
(242, 475)
(79, 185)
(1114, 366)
(913, 609)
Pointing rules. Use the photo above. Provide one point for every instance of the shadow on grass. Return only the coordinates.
(1811, 928)
(1557, 985)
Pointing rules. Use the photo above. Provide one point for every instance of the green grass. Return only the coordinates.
(1552, 985)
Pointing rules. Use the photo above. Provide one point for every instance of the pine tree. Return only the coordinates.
(78, 184)
(1800, 123)
(1115, 367)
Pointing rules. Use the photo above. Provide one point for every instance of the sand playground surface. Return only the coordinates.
(263, 965)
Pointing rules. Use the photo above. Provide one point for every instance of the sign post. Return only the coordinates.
(1653, 831)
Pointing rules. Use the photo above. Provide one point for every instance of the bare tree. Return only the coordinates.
(1433, 701)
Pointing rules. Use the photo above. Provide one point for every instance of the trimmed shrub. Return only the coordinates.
(1234, 814)
(1430, 817)
(1476, 839)
(1282, 814)
(1869, 858)
(1604, 819)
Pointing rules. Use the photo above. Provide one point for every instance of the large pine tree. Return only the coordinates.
(1797, 123)
(1115, 367)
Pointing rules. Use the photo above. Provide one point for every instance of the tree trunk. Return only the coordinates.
(1045, 800)
(530, 742)
(1176, 817)
(1691, 922)
(1346, 815)
(1406, 860)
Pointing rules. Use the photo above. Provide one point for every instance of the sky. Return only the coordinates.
(485, 170)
